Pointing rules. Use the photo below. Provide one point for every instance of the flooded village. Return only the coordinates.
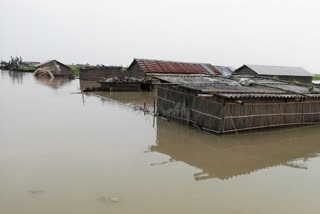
(218, 99)
(159, 137)
(149, 107)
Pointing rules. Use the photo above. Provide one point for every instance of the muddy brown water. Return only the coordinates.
(63, 152)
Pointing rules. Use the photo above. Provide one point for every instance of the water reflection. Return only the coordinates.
(224, 157)
(84, 84)
(60, 156)
(133, 98)
(54, 83)
(142, 99)
(15, 76)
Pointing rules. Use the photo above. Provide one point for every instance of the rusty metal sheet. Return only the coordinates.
(157, 66)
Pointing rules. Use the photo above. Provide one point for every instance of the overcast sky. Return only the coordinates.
(221, 32)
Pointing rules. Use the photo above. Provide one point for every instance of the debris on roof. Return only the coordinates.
(257, 87)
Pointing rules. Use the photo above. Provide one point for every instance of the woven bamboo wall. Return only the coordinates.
(256, 113)
(221, 115)
(98, 74)
(184, 104)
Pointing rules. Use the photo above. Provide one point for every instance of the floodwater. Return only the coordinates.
(64, 152)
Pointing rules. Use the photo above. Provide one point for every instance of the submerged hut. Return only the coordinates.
(53, 68)
(224, 105)
(3, 65)
(293, 74)
(112, 78)
(170, 68)
(99, 73)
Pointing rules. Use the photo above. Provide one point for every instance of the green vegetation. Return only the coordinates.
(75, 69)
(316, 77)
(123, 69)
(30, 69)
(236, 78)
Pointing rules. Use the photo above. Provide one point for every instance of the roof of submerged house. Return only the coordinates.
(53, 68)
(49, 61)
(171, 67)
(277, 70)
(258, 87)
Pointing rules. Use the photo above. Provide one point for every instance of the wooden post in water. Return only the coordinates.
(82, 98)
(154, 105)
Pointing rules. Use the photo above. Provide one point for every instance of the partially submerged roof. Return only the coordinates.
(53, 68)
(171, 67)
(277, 70)
(49, 61)
(229, 88)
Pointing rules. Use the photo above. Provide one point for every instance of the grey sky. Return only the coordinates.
(229, 32)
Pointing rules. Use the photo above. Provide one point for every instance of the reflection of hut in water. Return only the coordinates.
(224, 105)
(85, 84)
(53, 68)
(145, 99)
(234, 155)
(53, 82)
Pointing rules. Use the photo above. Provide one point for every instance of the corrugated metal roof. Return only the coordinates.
(217, 85)
(158, 66)
(238, 96)
(171, 67)
(48, 61)
(279, 70)
(45, 62)
(223, 70)
(261, 87)
(208, 69)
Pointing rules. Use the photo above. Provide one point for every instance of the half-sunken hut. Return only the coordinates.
(224, 105)
(53, 68)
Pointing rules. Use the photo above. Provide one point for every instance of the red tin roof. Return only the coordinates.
(158, 66)
(170, 67)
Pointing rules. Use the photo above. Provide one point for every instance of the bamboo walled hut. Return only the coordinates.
(140, 75)
(113, 78)
(153, 68)
(224, 105)
(294, 74)
(99, 73)
(53, 68)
